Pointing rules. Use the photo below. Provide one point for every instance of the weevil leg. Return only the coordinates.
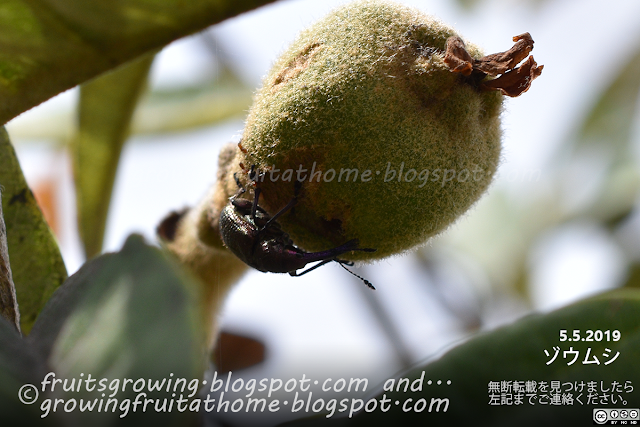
(256, 176)
(252, 173)
(320, 264)
(241, 189)
(254, 208)
(289, 206)
(271, 220)
(296, 191)
(296, 188)
(238, 183)
(281, 212)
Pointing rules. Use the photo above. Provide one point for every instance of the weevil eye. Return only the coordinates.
(243, 205)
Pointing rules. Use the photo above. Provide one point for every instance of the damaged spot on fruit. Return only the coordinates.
(332, 226)
(512, 81)
(421, 49)
(297, 64)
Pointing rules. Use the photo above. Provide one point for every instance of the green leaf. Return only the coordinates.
(8, 301)
(49, 46)
(606, 135)
(131, 314)
(179, 110)
(19, 365)
(106, 108)
(158, 112)
(516, 353)
(468, 4)
(611, 119)
(36, 262)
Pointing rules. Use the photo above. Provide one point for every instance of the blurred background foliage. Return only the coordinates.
(486, 260)
(470, 5)
(108, 113)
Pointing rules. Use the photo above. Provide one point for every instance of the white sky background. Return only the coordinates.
(319, 322)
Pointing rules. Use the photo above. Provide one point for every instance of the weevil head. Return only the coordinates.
(238, 232)
(264, 247)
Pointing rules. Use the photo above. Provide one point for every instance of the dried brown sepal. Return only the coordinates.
(500, 63)
(457, 57)
(513, 81)
(517, 81)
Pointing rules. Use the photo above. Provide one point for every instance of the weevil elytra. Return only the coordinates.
(257, 239)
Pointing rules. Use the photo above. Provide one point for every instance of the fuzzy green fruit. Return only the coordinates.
(366, 89)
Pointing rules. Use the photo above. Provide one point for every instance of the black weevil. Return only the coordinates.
(257, 239)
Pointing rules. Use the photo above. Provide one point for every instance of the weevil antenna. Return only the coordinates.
(366, 282)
